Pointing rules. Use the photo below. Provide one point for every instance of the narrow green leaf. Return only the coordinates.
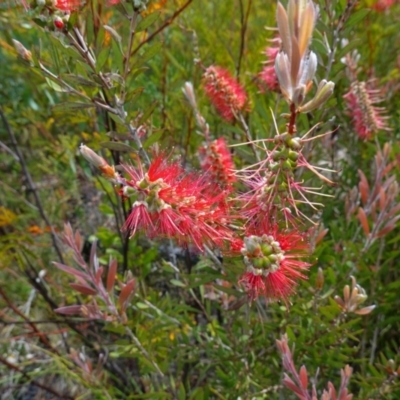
(177, 283)
(147, 114)
(357, 17)
(133, 74)
(72, 106)
(102, 58)
(80, 80)
(55, 86)
(115, 35)
(149, 53)
(153, 139)
(116, 118)
(146, 22)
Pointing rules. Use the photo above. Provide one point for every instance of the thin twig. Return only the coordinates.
(244, 20)
(9, 151)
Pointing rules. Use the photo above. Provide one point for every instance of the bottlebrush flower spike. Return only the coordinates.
(68, 5)
(225, 92)
(216, 159)
(273, 262)
(174, 204)
(383, 5)
(268, 73)
(73, 5)
(367, 119)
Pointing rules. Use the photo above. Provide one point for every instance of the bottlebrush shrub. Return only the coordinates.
(200, 227)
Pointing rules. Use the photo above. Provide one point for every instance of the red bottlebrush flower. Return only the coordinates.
(216, 159)
(382, 5)
(174, 204)
(268, 74)
(68, 5)
(367, 118)
(73, 5)
(225, 92)
(273, 262)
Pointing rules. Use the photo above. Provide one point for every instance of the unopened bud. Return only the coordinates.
(22, 51)
(294, 143)
(324, 91)
(92, 157)
(58, 23)
(189, 94)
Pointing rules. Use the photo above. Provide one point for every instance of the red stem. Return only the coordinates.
(292, 121)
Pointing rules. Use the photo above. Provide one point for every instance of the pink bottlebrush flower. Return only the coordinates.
(273, 262)
(367, 118)
(174, 204)
(224, 91)
(216, 159)
(268, 74)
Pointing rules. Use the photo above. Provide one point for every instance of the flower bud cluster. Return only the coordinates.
(295, 65)
(54, 14)
(353, 298)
